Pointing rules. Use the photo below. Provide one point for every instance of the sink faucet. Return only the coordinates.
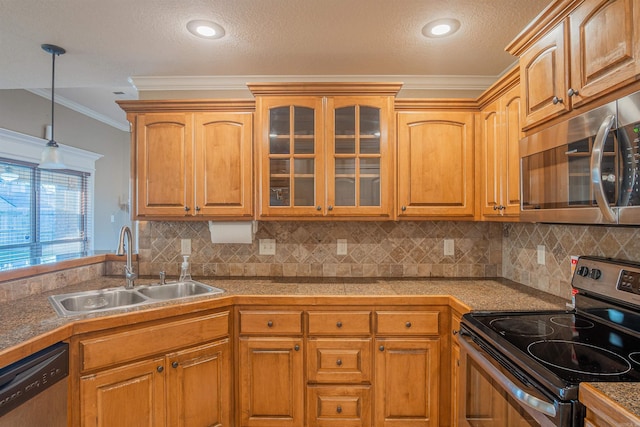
(128, 269)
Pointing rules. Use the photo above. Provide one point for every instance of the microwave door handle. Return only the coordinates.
(596, 168)
(515, 391)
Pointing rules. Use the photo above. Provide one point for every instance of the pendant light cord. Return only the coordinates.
(53, 94)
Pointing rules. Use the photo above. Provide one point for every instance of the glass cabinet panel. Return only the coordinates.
(357, 156)
(291, 156)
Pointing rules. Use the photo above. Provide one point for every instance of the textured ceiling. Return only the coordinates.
(109, 41)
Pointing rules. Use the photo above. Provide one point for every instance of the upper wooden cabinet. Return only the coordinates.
(500, 124)
(325, 150)
(436, 155)
(575, 52)
(191, 159)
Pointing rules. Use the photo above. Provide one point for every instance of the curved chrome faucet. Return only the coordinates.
(128, 269)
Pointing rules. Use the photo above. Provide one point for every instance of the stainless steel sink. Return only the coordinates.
(113, 298)
(177, 290)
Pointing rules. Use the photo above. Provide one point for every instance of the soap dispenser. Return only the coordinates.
(185, 269)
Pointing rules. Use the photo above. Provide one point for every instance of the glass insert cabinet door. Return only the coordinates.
(293, 157)
(357, 157)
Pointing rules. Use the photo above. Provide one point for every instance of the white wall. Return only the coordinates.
(21, 111)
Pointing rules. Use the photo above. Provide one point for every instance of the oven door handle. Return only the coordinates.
(596, 168)
(516, 392)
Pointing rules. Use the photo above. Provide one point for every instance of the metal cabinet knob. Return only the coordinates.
(318, 208)
(175, 364)
(330, 208)
(571, 92)
(455, 332)
(556, 100)
(381, 348)
(296, 347)
(187, 208)
(403, 208)
(339, 324)
(160, 369)
(408, 324)
(339, 362)
(270, 324)
(197, 208)
(339, 409)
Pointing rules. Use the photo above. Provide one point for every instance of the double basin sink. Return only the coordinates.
(114, 298)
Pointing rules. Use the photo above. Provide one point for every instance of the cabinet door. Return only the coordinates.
(291, 138)
(436, 153)
(163, 163)
(543, 76)
(605, 47)
(271, 382)
(492, 140)
(359, 172)
(511, 107)
(129, 396)
(199, 386)
(407, 382)
(223, 164)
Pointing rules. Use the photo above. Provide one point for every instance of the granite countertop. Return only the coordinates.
(32, 323)
(626, 395)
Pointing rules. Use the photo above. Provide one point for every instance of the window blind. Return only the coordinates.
(45, 215)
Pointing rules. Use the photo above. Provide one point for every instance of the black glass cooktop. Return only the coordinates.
(567, 345)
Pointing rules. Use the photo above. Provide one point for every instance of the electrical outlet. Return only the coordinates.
(185, 246)
(449, 247)
(541, 251)
(342, 247)
(267, 247)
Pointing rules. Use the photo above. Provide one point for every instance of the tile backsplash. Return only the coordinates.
(519, 251)
(308, 249)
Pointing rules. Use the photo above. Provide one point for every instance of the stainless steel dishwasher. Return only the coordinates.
(33, 391)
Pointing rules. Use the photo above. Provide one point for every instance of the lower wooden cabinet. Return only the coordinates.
(602, 411)
(339, 406)
(175, 373)
(271, 382)
(407, 382)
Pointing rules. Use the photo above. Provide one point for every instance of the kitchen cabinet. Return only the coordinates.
(602, 411)
(325, 150)
(500, 161)
(190, 164)
(339, 368)
(436, 156)
(576, 52)
(271, 368)
(176, 373)
(455, 367)
(407, 369)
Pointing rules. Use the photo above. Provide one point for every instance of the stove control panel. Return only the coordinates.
(629, 281)
(610, 278)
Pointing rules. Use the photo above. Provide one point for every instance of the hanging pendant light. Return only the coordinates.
(51, 157)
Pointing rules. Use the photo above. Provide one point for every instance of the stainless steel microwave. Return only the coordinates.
(584, 170)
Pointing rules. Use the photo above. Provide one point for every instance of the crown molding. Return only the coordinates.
(72, 105)
(413, 82)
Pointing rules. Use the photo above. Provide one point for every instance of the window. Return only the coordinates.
(43, 214)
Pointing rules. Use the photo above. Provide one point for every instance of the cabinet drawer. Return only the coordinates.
(339, 323)
(144, 342)
(260, 322)
(339, 360)
(339, 406)
(408, 322)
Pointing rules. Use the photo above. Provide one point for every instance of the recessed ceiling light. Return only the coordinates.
(441, 28)
(205, 29)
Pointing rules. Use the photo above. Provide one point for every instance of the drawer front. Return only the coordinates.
(339, 323)
(339, 406)
(135, 344)
(262, 322)
(346, 361)
(408, 322)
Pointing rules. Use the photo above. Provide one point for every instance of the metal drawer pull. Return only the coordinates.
(160, 368)
(296, 347)
(339, 409)
(269, 323)
(339, 362)
(381, 348)
(408, 324)
(175, 364)
(339, 324)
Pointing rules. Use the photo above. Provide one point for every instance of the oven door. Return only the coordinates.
(492, 396)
